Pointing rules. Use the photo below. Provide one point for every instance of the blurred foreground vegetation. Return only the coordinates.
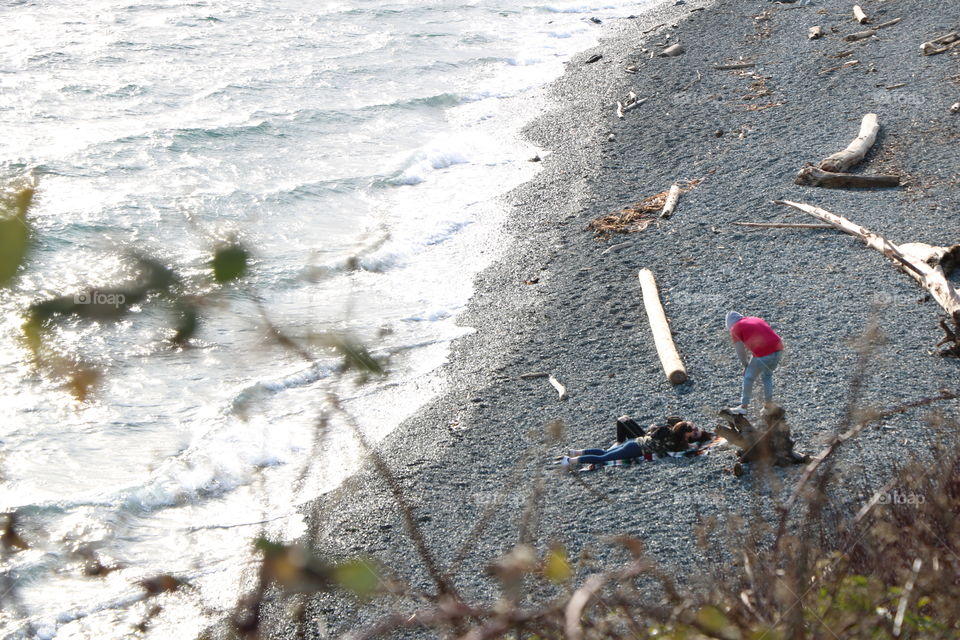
(891, 570)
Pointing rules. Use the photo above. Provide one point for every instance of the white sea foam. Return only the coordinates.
(425, 161)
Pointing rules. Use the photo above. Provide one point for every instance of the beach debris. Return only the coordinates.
(561, 390)
(849, 63)
(614, 248)
(860, 35)
(928, 265)
(593, 58)
(673, 51)
(734, 66)
(784, 225)
(941, 44)
(812, 176)
(670, 204)
(595, 20)
(631, 102)
(888, 23)
(533, 375)
(772, 445)
(632, 69)
(859, 15)
(815, 33)
(662, 339)
(635, 217)
(891, 87)
(856, 150)
(763, 107)
(955, 107)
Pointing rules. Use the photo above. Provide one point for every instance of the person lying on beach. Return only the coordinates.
(681, 436)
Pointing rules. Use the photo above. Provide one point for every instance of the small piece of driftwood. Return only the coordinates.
(784, 225)
(815, 32)
(859, 15)
(734, 66)
(860, 35)
(849, 63)
(670, 204)
(941, 44)
(812, 176)
(662, 338)
(770, 444)
(673, 51)
(856, 150)
(889, 23)
(562, 390)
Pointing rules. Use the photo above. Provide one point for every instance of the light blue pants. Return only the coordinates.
(764, 367)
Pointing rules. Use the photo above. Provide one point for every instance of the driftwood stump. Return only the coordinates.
(768, 444)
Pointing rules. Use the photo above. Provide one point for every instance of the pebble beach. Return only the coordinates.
(564, 301)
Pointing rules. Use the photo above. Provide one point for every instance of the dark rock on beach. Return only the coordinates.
(745, 133)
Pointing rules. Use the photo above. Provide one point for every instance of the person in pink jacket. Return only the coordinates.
(765, 349)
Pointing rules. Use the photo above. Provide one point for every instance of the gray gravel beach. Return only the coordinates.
(559, 301)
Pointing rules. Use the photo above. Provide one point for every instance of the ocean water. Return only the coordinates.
(358, 148)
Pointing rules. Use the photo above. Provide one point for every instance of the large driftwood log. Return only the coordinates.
(928, 265)
(856, 150)
(769, 444)
(663, 340)
(815, 177)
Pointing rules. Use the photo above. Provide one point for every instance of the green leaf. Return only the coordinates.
(357, 576)
(715, 622)
(229, 263)
(556, 566)
(14, 232)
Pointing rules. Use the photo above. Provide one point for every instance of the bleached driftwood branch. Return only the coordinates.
(783, 225)
(856, 150)
(859, 15)
(915, 258)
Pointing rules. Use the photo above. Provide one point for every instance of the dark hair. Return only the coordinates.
(678, 435)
